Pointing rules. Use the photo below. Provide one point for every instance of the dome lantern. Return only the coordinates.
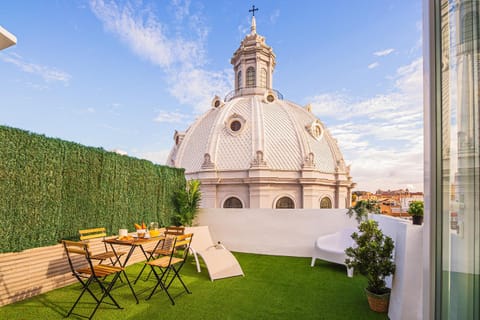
(253, 63)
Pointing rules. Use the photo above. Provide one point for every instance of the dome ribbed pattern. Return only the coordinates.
(235, 151)
(278, 129)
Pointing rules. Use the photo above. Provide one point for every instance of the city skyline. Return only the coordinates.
(126, 75)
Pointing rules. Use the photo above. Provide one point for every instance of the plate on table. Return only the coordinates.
(125, 238)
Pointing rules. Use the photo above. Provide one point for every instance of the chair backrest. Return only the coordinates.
(77, 248)
(174, 230)
(93, 233)
(164, 245)
(183, 242)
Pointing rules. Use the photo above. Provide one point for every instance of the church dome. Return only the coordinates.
(253, 149)
(250, 131)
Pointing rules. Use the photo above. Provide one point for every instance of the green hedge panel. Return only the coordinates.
(50, 188)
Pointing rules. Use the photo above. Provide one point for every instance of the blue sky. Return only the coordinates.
(123, 75)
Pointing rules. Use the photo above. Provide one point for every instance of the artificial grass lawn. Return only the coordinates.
(274, 287)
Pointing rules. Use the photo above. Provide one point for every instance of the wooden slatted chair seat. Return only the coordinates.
(163, 247)
(164, 261)
(100, 270)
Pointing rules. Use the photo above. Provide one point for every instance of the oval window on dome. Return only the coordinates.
(325, 203)
(235, 125)
(232, 202)
(315, 129)
(285, 203)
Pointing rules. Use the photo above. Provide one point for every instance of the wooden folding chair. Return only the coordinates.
(163, 247)
(173, 262)
(95, 233)
(87, 273)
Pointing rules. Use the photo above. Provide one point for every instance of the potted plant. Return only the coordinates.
(362, 208)
(415, 209)
(186, 203)
(372, 256)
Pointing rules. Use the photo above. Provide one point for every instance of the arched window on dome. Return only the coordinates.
(325, 203)
(239, 79)
(285, 203)
(263, 78)
(232, 202)
(250, 77)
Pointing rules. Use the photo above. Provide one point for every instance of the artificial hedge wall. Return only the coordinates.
(50, 188)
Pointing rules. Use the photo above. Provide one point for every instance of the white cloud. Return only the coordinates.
(172, 117)
(120, 151)
(181, 8)
(274, 16)
(181, 55)
(244, 28)
(48, 74)
(197, 87)
(328, 104)
(383, 53)
(381, 136)
(373, 65)
(158, 157)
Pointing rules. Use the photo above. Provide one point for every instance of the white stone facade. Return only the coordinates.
(255, 150)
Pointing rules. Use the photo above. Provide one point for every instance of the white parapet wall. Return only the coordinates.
(287, 232)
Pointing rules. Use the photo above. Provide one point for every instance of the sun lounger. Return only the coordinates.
(220, 262)
(331, 247)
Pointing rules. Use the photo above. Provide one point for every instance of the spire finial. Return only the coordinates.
(253, 10)
(253, 28)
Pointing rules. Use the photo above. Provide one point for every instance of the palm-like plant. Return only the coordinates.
(186, 203)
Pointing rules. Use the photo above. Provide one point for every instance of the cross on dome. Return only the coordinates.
(253, 10)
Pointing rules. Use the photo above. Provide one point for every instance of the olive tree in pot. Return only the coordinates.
(372, 256)
(415, 209)
(186, 203)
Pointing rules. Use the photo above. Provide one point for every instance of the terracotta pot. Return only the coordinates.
(378, 302)
(417, 220)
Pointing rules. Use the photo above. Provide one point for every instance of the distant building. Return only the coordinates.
(253, 149)
(391, 202)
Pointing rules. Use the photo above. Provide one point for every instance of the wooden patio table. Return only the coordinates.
(133, 243)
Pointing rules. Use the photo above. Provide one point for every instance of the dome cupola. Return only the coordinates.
(253, 63)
